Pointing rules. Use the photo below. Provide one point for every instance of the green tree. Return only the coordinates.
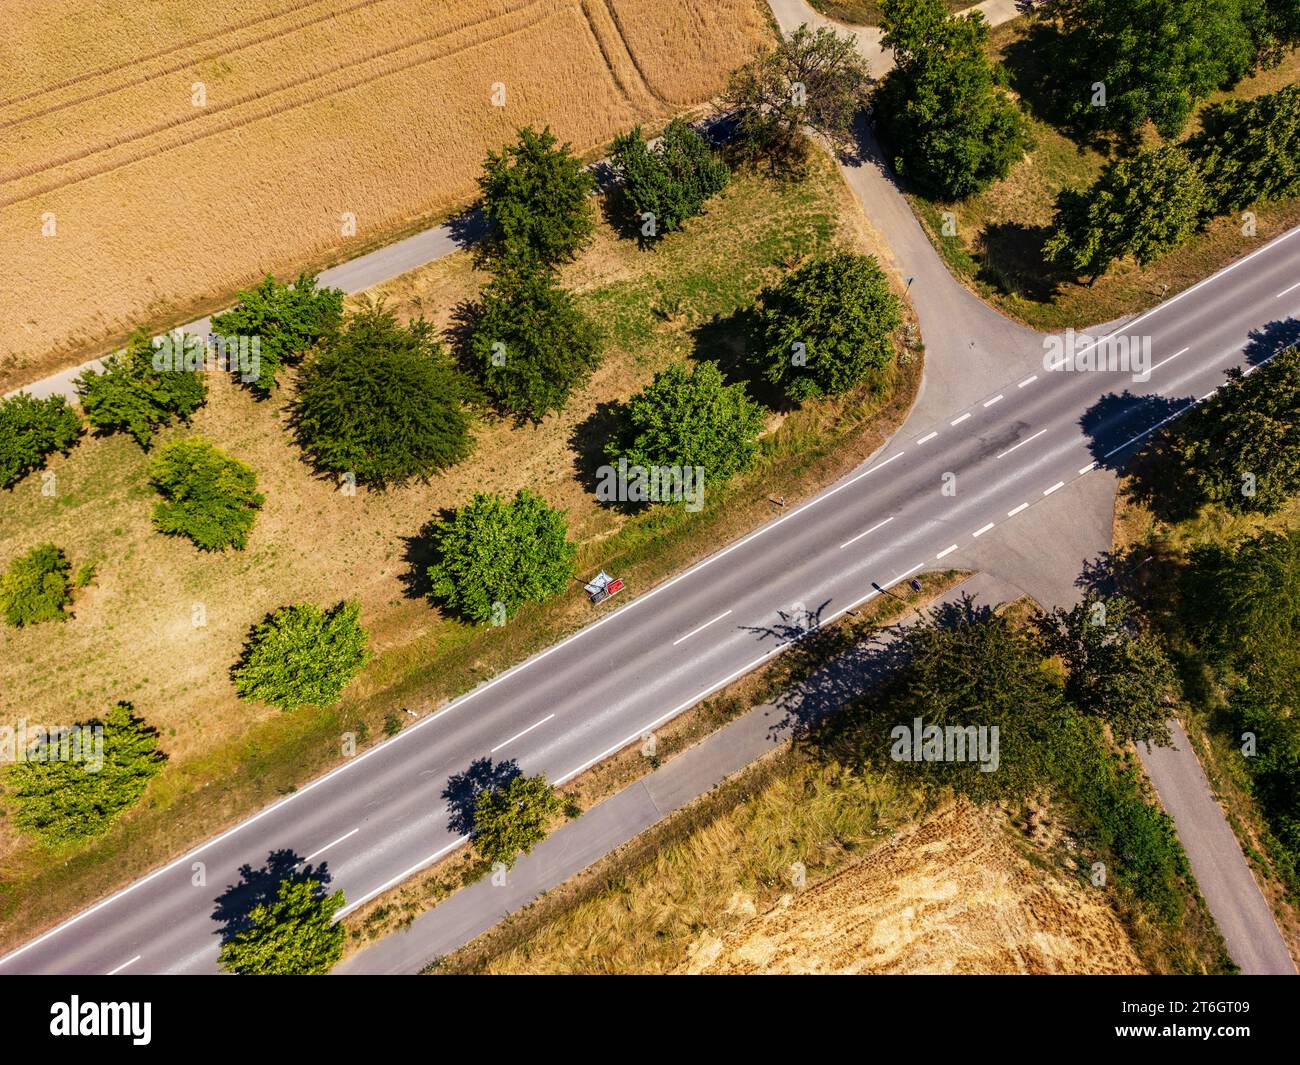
(671, 181)
(287, 320)
(1116, 669)
(206, 495)
(130, 395)
(511, 819)
(1155, 58)
(37, 587)
(302, 655)
(532, 345)
(828, 325)
(74, 785)
(947, 128)
(1249, 150)
(810, 80)
(382, 402)
(493, 556)
(1141, 206)
(296, 934)
(535, 195)
(30, 431)
(690, 418)
(1241, 447)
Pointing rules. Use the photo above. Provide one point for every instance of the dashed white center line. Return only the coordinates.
(983, 529)
(701, 628)
(958, 421)
(1088, 468)
(1017, 510)
(517, 735)
(928, 436)
(328, 846)
(946, 551)
(124, 965)
(1286, 290)
(862, 534)
(1049, 491)
(1022, 443)
(990, 402)
(1170, 359)
(1028, 380)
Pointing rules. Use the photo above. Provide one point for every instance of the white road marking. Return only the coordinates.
(990, 402)
(1209, 394)
(517, 735)
(928, 436)
(958, 421)
(1147, 432)
(1022, 443)
(1286, 290)
(124, 965)
(981, 531)
(327, 846)
(905, 573)
(1088, 468)
(400, 876)
(701, 628)
(1049, 491)
(1028, 380)
(1017, 510)
(946, 551)
(867, 533)
(1170, 359)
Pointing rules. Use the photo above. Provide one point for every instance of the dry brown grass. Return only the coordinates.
(381, 108)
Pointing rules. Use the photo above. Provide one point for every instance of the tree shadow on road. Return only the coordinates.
(257, 887)
(463, 789)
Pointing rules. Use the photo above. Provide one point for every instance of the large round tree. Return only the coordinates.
(382, 402)
(828, 325)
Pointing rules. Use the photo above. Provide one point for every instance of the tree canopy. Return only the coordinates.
(302, 655)
(493, 556)
(65, 798)
(382, 402)
(1249, 150)
(30, 431)
(287, 320)
(130, 395)
(511, 819)
(828, 325)
(669, 182)
(206, 495)
(295, 934)
(947, 128)
(37, 587)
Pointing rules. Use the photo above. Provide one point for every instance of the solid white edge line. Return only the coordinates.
(399, 877)
(1021, 444)
(981, 531)
(123, 966)
(1017, 510)
(681, 639)
(1286, 290)
(313, 854)
(878, 525)
(1049, 491)
(519, 735)
(946, 551)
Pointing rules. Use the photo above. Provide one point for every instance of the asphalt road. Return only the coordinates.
(380, 817)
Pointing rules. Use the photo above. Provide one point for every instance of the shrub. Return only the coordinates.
(302, 655)
(30, 431)
(37, 587)
(207, 495)
(511, 819)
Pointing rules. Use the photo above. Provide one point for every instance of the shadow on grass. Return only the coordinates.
(1011, 260)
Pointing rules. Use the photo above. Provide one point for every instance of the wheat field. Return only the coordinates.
(154, 158)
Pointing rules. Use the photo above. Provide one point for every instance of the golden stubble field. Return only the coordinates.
(154, 158)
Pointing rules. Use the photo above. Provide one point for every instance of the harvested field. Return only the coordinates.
(128, 199)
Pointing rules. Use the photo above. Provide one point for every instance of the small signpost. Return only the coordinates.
(602, 586)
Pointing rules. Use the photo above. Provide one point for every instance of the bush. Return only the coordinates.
(532, 345)
(828, 325)
(690, 418)
(30, 431)
(512, 819)
(670, 181)
(535, 197)
(287, 320)
(207, 495)
(493, 556)
(302, 655)
(295, 934)
(130, 395)
(37, 587)
(61, 800)
(382, 402)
